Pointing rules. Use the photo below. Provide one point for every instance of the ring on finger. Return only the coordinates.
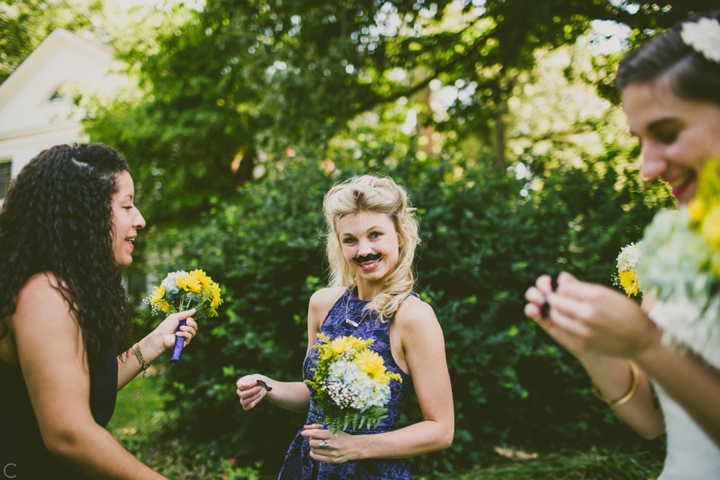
(324, 445)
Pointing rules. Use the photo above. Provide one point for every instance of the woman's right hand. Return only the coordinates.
(170, 329)
(250, 391)
(590, 319)
(537, 297)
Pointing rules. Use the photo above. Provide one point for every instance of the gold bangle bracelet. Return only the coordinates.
(633, 388)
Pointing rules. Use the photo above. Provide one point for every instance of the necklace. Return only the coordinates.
(347, 305)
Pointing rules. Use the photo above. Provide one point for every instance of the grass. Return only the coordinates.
(136, 424)
(573, 465)
(138, 410)
(139, 417)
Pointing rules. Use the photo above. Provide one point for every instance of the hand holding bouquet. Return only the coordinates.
(182, 291)
(350, 382)
(680, 265)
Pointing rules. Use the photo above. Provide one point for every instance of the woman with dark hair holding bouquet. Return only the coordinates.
(67, 226)
(658, 366)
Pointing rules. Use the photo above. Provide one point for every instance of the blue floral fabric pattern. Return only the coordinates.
(298, 465)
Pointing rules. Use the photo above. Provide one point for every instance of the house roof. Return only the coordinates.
(58, 39)
(28, 100)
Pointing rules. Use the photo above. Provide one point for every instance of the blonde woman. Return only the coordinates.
(370, 247)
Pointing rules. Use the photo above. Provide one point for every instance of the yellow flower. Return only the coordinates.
(372, 364)
(163, 305)
(204, 279)
(189, 283)
(629, 282)
(696, 209)
(356, 343)
(341, 345)
(325, 353)
(711, 226)
(216, 300)
(157, 295)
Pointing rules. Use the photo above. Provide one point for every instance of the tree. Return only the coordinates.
(26, 23)
(241, 80)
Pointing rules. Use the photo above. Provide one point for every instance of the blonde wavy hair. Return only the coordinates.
(374, 195)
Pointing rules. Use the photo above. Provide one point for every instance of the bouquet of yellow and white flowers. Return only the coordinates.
(680, 265)
(626, 275)
(350, 382)
(182, 291)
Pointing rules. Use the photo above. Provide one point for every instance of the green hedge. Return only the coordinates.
(486, 236)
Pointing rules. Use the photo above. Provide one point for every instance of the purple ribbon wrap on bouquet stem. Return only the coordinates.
(179, 343)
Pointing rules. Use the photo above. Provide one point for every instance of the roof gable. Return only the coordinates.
(25, 96)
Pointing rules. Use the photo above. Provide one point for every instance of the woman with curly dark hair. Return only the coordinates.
(67, 225)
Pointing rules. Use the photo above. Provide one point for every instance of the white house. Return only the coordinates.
(35, 111)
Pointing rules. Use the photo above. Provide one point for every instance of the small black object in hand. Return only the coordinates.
(545, 307)
(264, 385)
(553, 282)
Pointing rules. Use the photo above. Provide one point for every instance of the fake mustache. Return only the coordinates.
(367, 258)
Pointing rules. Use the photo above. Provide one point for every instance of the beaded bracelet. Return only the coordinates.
(633, 388)
(140, 358)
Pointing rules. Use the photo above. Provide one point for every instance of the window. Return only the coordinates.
(56, 96)
(60, 93)
(5, 169)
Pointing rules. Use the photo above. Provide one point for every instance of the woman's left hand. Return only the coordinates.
(337, 448)
(600, 320)
(167, 331)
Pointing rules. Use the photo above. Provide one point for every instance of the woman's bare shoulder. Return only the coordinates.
(413, 307)
(415, 314)
(40, 302)
(325, 298)
(43, 286)
(42, 317)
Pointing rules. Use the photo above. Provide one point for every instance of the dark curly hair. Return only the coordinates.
(57, 218)
(692, 76)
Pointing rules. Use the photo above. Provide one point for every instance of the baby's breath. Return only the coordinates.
(350, 383)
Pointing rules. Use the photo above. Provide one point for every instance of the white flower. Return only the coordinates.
(703, 36)
(172, 290)
(686, 325)
(628, 258)
(675, 267)
(170, 282)
(349, 387)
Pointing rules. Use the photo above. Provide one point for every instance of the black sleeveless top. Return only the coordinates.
(23, 455)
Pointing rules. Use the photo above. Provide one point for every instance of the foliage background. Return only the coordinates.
(498, 116)
(483, 244)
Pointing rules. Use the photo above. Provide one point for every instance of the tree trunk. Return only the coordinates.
(500, 160)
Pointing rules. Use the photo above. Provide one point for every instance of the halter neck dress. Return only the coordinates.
(298, 465)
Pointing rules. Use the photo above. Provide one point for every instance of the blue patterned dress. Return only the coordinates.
(298, 465)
